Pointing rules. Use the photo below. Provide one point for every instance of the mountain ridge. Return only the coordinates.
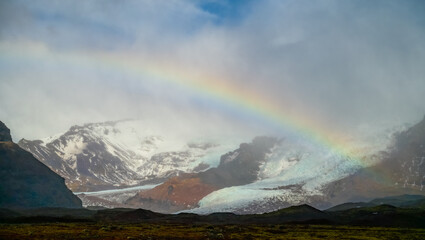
(100, 156)
(289, 173)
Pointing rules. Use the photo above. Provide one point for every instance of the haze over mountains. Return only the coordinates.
(262, 176)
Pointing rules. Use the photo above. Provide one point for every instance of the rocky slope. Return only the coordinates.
(27, 183)
(106, 155)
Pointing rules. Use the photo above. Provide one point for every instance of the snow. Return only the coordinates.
(49, 139)
(120, 190)
(75, 147)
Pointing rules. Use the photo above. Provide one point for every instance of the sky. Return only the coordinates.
(202, 65)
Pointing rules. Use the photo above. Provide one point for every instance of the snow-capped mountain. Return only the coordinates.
(261, 176)
(295, 173)
(213, 175)
(110, 154)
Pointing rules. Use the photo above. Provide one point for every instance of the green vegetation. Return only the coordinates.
(200, 231)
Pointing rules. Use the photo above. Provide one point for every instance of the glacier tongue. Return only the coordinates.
(294, 172)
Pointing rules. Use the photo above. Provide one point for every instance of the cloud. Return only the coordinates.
(342, 63)
(346, 61)
(99, 24)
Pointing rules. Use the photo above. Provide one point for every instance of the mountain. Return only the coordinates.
(27, 183)
(236, 168)
(323, 179)
(107, 155)
(258, 177)
(293, 172)
(401, 170)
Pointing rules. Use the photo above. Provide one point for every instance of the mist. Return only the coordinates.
(346, 64)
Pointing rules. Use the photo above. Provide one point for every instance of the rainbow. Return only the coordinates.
(213, 88)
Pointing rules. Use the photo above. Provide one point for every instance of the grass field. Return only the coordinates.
(201, 231)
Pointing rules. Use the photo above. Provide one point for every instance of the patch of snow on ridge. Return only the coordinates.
(70, 150)
(119, 190)
(50, 139)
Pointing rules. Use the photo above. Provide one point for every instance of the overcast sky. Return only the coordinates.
(347, 63)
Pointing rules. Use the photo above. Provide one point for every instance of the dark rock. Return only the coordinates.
(241, 166)
(27, 183)
(4, 133)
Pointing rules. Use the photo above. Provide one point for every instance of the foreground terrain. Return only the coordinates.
(200, 231)
(346, 221)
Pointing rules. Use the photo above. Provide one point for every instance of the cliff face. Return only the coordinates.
(27, 183)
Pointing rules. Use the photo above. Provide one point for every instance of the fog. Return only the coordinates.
(345, 63)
